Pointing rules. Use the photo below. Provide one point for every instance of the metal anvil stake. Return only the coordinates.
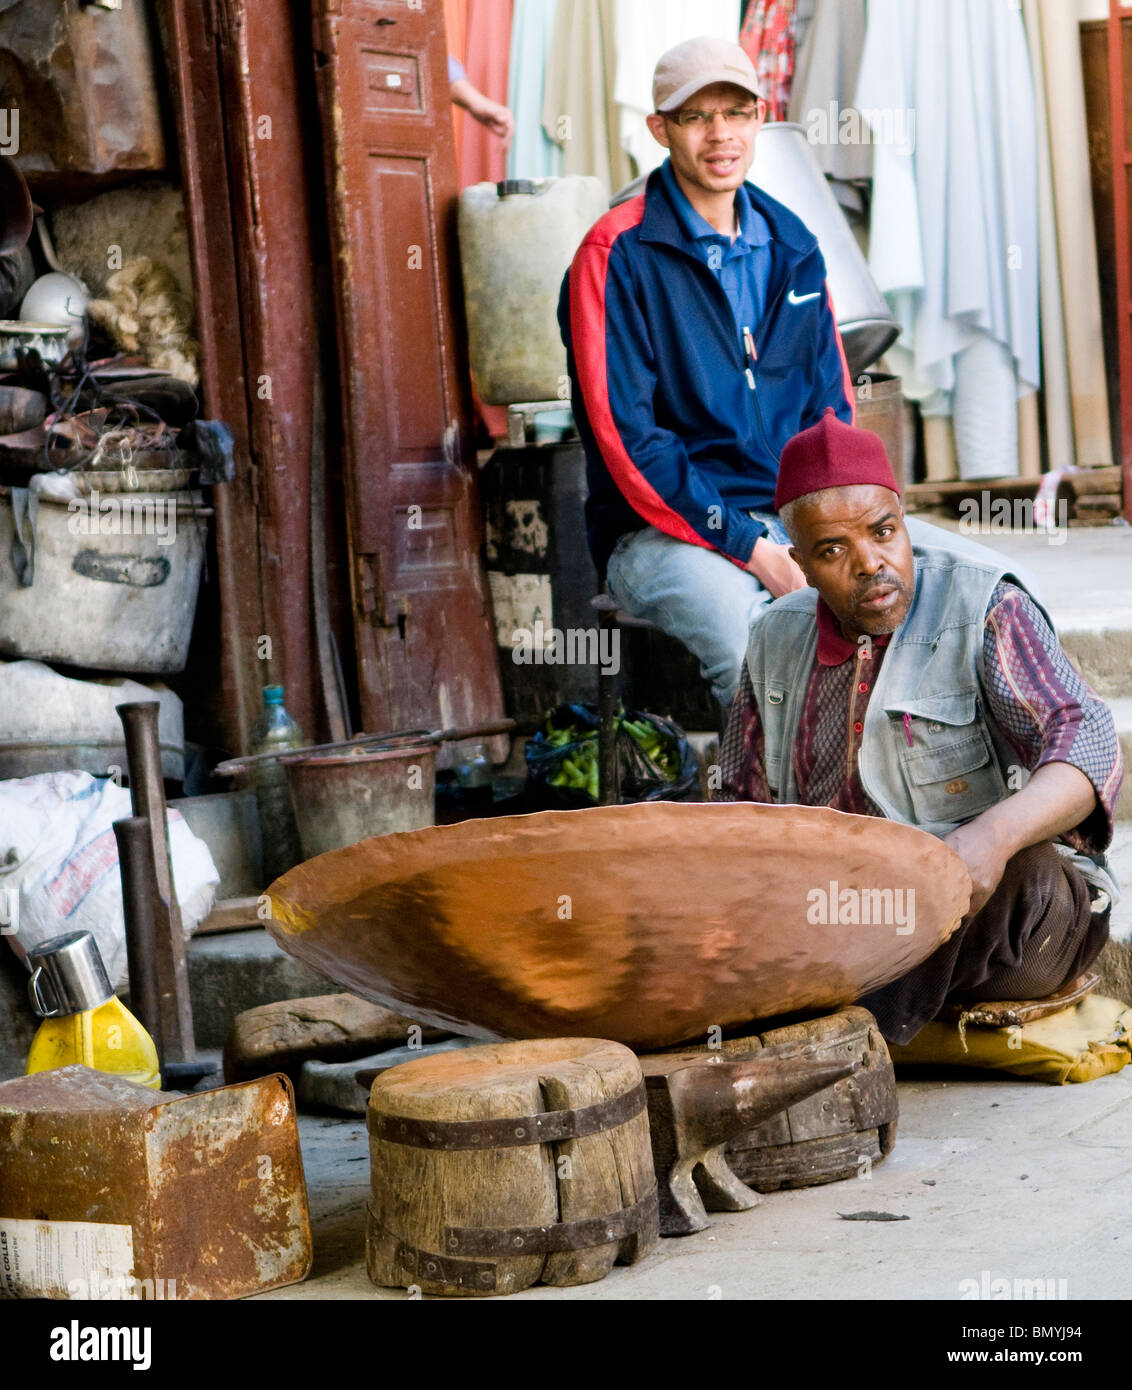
(697, 1104)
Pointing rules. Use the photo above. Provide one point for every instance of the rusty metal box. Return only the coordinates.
(110, 1190)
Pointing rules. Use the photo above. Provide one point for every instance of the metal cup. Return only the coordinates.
(68, 976)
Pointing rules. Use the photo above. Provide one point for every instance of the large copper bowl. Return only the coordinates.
(645, 924)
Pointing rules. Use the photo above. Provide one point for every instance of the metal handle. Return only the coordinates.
(147, 790)
(35, 994)
(360, 741)
(135, 863)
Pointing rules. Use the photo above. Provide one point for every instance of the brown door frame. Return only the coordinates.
(422, 617)
(236, 68)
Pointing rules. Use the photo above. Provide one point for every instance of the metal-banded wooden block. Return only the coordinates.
(495, 1167)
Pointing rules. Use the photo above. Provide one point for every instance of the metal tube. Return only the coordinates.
(147, 791)
(609, 789)
(135, 863)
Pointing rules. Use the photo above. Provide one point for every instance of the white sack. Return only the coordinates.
(59, 864)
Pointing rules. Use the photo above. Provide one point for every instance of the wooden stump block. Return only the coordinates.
(495, 1167)
(835, 1134)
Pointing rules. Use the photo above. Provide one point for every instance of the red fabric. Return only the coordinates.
(587, 319)
(831, 454)
(482, 156)
(456, 27)
(767, 37)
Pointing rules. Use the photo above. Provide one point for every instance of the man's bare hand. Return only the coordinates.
(774, 569)
(985, 855)
(497, 118)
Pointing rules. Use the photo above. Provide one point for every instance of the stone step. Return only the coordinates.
(1099, 643)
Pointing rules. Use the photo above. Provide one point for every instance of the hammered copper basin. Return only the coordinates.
(645, 924)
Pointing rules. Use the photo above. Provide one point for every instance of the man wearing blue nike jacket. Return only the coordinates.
(700, 337)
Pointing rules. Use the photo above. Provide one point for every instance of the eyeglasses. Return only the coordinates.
(737, 117)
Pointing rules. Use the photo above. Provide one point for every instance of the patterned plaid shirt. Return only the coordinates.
(1045, 710)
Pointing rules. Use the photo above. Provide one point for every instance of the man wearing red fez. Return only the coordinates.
(927, 685)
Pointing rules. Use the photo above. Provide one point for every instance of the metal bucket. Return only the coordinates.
(343, 798)
(880, 408)
(115, 594)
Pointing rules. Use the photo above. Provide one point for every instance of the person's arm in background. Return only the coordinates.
(770, 563)
(496, 117)
(614, 369)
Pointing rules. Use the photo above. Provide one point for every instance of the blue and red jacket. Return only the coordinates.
(682, 424)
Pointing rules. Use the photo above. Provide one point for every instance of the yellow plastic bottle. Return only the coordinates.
(83, 1020)
(108, 1038)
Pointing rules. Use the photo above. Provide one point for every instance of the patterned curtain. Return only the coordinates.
(767, 37)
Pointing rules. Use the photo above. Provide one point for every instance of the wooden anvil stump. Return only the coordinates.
(698, 1103)
(497, 1167)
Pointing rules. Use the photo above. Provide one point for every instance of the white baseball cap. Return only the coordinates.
(690, 66)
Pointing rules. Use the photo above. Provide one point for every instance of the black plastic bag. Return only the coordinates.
(641, 778)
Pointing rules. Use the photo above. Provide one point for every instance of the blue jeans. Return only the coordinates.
(693, 594)
(709, 603)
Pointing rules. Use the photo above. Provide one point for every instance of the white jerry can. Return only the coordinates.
(517, 239)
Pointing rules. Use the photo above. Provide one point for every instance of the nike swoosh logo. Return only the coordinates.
(802, 298)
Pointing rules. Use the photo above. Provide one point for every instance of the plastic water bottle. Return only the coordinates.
(474, 778)
(274, 732)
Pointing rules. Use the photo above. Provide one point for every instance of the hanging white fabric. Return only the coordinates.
(954, 218)
(533, 154)
(644, 31)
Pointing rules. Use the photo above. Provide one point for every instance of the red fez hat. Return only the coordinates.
(831, 454)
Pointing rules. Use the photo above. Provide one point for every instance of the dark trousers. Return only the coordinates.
(1036, 933)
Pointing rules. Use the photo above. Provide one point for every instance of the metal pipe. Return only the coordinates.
(147, 792)
(135, 863)
(609, 789)
(461, 735)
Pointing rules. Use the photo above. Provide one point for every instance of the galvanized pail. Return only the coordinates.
(343, 798)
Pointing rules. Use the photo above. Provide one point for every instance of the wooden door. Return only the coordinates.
(425, 643)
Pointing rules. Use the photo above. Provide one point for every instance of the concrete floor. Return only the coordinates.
(1015, 1178)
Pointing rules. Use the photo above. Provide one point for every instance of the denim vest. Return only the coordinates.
(931, 753)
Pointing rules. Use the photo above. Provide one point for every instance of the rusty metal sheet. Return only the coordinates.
(84, 82)
(151, 1194)
(646, 924)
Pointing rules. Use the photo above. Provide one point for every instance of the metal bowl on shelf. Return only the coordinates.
(16, 335)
